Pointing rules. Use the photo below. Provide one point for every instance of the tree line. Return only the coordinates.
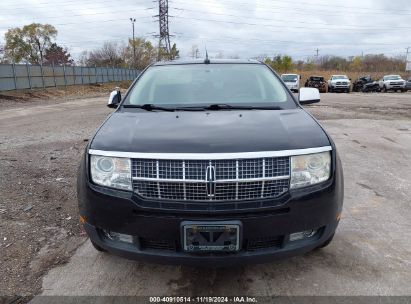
(35, 44)
(366, 63)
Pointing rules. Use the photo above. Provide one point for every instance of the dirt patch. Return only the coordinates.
(39, 156)
(39, 226)
(13, 99)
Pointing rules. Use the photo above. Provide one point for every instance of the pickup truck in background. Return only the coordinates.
(292, 81)
(339, 83)
(392, 83)
(317, 82)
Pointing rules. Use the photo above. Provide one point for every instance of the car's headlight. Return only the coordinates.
(111, 171)
(311, 169)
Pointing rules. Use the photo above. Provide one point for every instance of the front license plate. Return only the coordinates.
(211, 237)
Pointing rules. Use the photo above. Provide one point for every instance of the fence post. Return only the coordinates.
(81, 72)
(54, 75)
(28, 74)
(112, 69)
(42, 75)
(64, 75)
(95, 72)
(14, 75)
(108, 78)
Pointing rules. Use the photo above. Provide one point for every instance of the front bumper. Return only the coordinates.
(395, 87)
(292, 87)
(157, 236)
(340, 88)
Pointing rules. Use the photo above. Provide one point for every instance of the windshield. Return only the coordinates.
(205, 84)
(340, 77)
(393, 77)
(289, 78)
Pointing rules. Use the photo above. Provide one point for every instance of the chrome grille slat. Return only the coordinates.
(184, 178)
(262, 187)
(236, 177)
(233, 180)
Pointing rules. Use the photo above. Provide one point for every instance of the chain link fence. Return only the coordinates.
(27, 76)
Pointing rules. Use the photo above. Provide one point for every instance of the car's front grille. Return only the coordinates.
(158, 244)
(343, 83)
(211, 180)
(264, 243)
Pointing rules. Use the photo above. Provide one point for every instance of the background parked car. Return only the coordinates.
(365, 84)
(408, 85)
(392, 83)
(292, 81)
(339, 83)
(317, 82)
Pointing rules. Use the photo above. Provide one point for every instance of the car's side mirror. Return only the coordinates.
(114, 99)
(309, 95)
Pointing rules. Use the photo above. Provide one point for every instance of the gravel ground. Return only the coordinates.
(40, 147)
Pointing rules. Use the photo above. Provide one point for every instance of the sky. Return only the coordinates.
(242, 28)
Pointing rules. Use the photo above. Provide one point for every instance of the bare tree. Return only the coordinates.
(110, 54)
(195, 52)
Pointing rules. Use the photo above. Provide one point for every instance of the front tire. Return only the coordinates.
(97, 247)
(327, 242)
(330, 89)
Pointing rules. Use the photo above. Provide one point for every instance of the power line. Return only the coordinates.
(91, 14)
(294, 21)
(295, 9)
(368, 9)
(300, 28)
(64, 4)
(83, 22)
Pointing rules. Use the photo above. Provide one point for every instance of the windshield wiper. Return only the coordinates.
(212, 107)
(149, 107)
(222, 106)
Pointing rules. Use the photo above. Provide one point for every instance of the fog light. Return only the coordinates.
(115, 236)
(302, 235)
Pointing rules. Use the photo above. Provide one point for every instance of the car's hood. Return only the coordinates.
(209, 132)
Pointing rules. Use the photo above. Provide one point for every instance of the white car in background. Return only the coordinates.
(392, 82)
(292, 81)
(339, 83)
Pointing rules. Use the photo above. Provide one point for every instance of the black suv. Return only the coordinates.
(210, 163)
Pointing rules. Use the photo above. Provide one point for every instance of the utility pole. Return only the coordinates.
(134, 44)
(317, 51)
(408, 60)
(164, 46)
